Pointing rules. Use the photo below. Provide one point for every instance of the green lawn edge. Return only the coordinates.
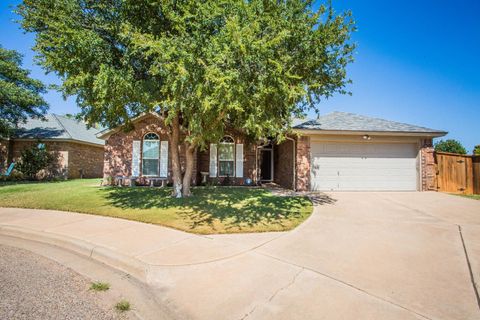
(211, 210)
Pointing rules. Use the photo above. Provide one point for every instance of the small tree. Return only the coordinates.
(476, 150)
(35, 159)
(450, 145)
(20, 95)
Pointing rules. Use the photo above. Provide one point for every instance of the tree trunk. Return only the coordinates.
(189, 159)
(176, 167)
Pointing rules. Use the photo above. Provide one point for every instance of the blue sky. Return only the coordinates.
(416, 62)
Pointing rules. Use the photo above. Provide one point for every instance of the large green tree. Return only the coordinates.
(204, 66)
(450, 145)
(20, 95)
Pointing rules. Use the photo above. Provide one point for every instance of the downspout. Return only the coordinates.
(294, 185)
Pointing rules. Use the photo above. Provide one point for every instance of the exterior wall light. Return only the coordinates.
(367, 137)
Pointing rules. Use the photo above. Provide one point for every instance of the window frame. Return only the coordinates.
(223, 142)
(142, 154)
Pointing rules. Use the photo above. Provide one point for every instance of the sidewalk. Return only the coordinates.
(105, 238)
(173, 262)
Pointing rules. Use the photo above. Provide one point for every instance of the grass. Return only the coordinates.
(210, 209)
(471, 196)
(123, 306)
(99, 286)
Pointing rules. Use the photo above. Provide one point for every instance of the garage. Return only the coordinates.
(364, 166)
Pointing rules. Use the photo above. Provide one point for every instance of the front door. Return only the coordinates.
(266, 166)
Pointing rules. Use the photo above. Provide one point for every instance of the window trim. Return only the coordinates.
(233, 143)
(158, 159)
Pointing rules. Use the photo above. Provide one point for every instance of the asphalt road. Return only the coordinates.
(33, 287)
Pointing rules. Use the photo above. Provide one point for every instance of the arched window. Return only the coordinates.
(150, 154)
(226, 157)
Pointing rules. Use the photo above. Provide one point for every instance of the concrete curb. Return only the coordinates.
(116, 260)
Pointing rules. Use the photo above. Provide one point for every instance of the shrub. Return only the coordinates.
(123, 306)
(99, 286)
(35, 159)
(452, 146)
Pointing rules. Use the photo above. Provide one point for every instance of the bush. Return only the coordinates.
(476, 150)
(452, 146)
(123, 306)
(35, 159)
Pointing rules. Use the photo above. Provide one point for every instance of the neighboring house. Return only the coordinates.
(80, 151)
(337, 151)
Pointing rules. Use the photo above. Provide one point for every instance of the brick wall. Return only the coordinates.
(284, 164)
(118, 149)
(85, 161)
(428, 168)
(249, 166)
(303, 163)
(72, 157)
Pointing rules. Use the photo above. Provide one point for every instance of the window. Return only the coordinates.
(41, 146)
(150, 154)
(226, 157)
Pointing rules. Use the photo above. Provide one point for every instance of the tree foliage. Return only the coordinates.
(450, 145)
(476, 150)
(205, 66)
(20, 95)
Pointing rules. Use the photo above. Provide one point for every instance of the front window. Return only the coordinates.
(226, 157)
(150, 154)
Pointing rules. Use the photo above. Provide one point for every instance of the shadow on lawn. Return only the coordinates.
(234, 207)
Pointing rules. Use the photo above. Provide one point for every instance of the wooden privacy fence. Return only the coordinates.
(458, 173)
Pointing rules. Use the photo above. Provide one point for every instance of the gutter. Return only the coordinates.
(60, 140)
(433, 134)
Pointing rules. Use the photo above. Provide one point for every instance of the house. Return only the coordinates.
(336, 151)
(80, 151)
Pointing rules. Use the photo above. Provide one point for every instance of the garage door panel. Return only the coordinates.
(363, 166)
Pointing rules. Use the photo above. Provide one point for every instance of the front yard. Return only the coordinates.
(209, 210)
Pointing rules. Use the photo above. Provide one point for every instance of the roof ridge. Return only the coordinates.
(61, 124)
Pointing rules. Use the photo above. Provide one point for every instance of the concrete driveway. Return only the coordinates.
(360, 256)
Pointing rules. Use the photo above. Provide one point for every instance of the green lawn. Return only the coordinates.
(209, 210)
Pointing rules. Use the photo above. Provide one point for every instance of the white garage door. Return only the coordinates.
(364, 166)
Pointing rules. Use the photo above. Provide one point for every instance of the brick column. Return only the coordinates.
(303, 163)
(427, 158)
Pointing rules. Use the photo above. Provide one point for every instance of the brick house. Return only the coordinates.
(80, 152)
(337, 151)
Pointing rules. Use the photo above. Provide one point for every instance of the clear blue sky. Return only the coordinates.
(416, 62)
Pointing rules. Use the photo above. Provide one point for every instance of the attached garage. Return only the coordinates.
(343, 151)
(364, 166)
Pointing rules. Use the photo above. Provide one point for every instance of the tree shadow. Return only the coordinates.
(322, 199)
(236, 208)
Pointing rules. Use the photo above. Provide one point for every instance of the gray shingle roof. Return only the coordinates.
(57, 127)
(343, 121)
